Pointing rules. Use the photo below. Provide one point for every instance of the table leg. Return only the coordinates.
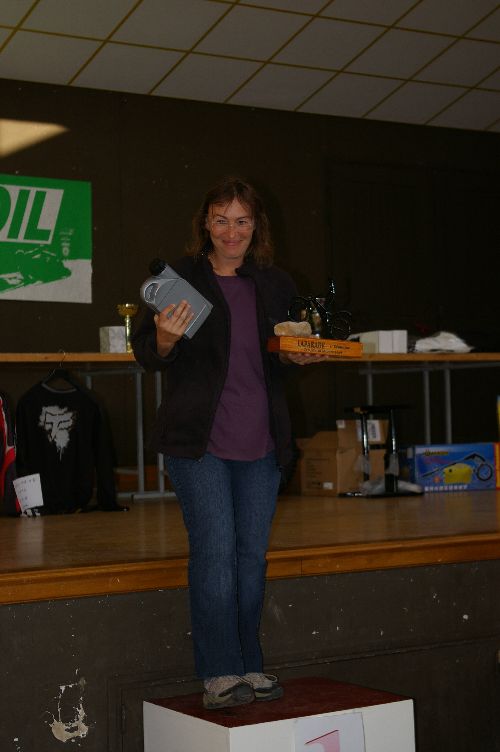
(160, 462)
(447, 405)
(369, 384)
(427, 406)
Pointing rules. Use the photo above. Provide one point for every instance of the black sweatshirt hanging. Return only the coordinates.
(62, 434)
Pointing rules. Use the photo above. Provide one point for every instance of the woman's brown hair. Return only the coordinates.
(224, 192)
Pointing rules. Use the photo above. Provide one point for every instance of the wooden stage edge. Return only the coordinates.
(101, 554)
(112, 579)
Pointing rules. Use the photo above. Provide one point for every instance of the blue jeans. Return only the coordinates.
(228, 507)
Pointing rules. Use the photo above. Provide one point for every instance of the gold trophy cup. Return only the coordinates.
(127, 310)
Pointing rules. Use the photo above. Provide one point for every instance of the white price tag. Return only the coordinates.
(29, 492)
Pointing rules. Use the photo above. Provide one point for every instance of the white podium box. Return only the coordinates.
(315, 715)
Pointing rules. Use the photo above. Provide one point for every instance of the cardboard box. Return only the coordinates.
(319, 465)
(112, 339)
(385, 341)
(350, 468)
(399, 341)
(326, 469)
(376, 342)
(334, 348)
(349, 433)
(451, 467)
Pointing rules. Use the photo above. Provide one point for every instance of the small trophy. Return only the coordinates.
(127, 310)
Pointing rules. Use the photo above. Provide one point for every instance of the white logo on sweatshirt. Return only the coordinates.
(57, 422)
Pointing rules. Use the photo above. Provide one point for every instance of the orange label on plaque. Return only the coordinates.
(335, 348)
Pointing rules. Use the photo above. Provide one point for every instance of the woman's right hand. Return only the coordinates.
(171, 324)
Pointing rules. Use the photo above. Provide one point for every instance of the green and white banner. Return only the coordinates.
(45, 239)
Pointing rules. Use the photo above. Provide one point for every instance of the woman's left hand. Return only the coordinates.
(302, 359)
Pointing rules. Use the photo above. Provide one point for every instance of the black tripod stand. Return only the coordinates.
(393, 486)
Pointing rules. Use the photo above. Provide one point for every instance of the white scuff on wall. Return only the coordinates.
(276, 611)
(76, 727)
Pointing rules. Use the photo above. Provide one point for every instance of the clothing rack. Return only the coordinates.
(108, 364)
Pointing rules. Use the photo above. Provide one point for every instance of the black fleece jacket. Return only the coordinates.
(197, 367)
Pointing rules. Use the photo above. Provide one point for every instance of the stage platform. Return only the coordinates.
(101, 553)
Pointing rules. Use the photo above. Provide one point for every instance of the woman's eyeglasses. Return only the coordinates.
(221, 223)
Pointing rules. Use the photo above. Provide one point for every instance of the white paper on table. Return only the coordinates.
(29, 492)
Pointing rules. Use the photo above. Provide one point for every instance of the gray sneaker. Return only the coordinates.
(265, 686)
(226, 691)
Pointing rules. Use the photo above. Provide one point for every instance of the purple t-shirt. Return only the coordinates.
(240, 430)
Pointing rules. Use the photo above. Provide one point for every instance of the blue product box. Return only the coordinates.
(451, 467)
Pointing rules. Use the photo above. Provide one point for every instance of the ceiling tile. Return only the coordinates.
(300, 6)
(119, 67)
(488, 29)
(416, 103)
(368, 11)
(492, 82)
(476, 110)
(39, 57)
(248, 32)
(12, 11)
(466, 63)
(280, 87)
(327, 44)
(445, 17)
(176, 23)
(349, 95)
(91, 18)
(399, 53)
(207, 78)
(4, 33)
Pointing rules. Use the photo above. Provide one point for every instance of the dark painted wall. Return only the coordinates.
(402, 216)
(429, 633)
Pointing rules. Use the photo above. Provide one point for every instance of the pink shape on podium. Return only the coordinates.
(329, 742)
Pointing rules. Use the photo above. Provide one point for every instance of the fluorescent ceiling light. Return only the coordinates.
(20, 134)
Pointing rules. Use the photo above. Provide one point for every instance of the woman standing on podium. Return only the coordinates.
(224, 428)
